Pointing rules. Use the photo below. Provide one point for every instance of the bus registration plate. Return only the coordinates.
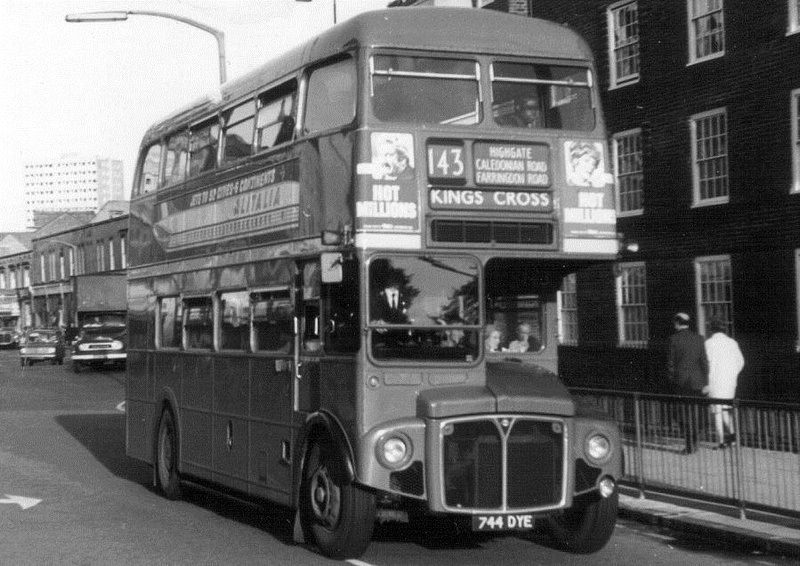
(524, 521)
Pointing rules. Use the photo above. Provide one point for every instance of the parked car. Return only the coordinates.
(9, 339)
(42, 344)
(99, 344)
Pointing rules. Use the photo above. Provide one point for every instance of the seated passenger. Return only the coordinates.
(524, 342)
(527, 114)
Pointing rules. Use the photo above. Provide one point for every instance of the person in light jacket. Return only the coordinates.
(725, 362)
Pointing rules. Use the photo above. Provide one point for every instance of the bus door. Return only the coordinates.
(308, 343)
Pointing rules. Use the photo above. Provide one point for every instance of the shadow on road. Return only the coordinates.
(104, 436)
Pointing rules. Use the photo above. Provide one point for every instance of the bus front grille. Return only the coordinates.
(458, 231)
(503, 464)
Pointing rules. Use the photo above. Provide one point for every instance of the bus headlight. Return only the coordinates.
(116, 345)
(598, 448)
(394, 451)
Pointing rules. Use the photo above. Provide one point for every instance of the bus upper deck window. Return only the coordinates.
(331, 100)
(276, 117)
(151, 168)
(425, 90)
(177, 158)
(203, 143)
(537, 95)
(238, 136)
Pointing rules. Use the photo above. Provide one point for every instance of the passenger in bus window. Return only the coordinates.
(527, 114)
(525, 341)
(493, 339)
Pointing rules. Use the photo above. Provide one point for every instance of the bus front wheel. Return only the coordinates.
(167, 457)
(587, 525)
(337, 515)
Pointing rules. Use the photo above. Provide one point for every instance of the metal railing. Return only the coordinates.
(760, 470)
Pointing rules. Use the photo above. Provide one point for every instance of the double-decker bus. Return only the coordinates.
(344, 274)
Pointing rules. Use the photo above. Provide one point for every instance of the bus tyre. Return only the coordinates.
(587, 525)
(336, 515)
(76, 367)
(167, 477)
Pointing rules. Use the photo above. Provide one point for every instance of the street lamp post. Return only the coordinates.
(122, 15)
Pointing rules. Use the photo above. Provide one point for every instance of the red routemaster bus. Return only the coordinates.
(344, 274)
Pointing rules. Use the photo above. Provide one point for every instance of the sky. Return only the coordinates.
(93, 89)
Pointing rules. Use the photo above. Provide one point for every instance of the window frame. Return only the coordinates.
(275, 294)
(794, 101)
(226, 118)
(694, 120)
(188, 302)
(691, 20)
(618, 175)
(177, 322)
(797, 298)
(287, 90)
(705, 308)
(624, 288)
(793, 23)
(213, 127)
(567, 299)
(614, 48)
(306, 91)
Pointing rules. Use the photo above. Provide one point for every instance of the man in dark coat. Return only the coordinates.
(688, 373)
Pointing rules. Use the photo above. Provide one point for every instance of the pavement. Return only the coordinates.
(776, 536)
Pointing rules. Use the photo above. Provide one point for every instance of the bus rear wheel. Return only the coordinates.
(337, 515)
(167, 477)
(587, 526)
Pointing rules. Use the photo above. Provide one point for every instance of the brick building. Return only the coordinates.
(702, 102)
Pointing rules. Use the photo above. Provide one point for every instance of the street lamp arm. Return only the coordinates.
(122, 15)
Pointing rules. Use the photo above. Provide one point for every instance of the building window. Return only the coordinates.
(42, 272)
(706, 30)
(52, 273)
(797, 296)
(710, 157)
(62, 265)
(112, 264)
(795, 101)
(632, 304)
(794, 16)
(628, 171)
(714, 290)
(623, 43)
(568, 311)
(123, 251)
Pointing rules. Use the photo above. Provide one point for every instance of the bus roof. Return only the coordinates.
(468, 30)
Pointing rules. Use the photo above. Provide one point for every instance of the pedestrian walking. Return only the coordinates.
(688, 372)
(725, 362)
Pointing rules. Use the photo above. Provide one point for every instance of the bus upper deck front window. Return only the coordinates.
(538, 95)
(424, 308)
(425, 90)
